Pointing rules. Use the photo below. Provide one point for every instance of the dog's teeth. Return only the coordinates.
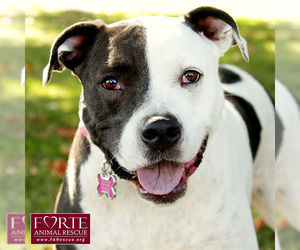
(143, 191)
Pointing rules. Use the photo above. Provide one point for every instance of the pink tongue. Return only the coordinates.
(162, 178)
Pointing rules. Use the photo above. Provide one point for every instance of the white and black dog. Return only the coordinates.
(154, 98)
(287, 155)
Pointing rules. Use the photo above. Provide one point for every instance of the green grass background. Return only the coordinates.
(288, 55)
(55, 106)
(12, 116)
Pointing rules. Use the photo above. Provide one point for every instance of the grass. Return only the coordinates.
(288, 54)
(54, 107)
(12, 128)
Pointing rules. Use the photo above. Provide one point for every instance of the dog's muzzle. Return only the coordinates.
(165, 180)
(161, 182)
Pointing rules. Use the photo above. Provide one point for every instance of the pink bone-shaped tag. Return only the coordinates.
(106, 185)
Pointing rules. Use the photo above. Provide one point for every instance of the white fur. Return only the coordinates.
(71, 179)
(288, 161)
(127, 222)
(215, 212)
(197, 107)
(263, 173)
(45, 75)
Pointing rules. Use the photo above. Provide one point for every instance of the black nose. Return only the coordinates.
(161, 132)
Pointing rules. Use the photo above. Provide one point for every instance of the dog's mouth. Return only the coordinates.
(162, 182)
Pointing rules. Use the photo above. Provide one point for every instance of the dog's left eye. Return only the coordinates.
(111, 84)
(190, 77)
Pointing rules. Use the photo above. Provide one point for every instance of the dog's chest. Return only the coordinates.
(127, 222)
(130, 225)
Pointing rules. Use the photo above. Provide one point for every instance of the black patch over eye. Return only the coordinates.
(110, 83)
(190, 77)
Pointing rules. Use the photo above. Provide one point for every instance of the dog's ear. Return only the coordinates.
(71, 47)
(217, 26)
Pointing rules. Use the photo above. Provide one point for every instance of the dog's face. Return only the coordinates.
(151, 94)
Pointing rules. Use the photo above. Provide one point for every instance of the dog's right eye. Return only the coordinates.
(111, 84)
(190, 77)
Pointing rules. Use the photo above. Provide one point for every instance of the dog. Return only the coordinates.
(287, 120)
(187, 143)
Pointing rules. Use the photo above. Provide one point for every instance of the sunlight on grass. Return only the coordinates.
(12, 36)
(235, 8)
(12, 30)
(52, 90)
(11, 87)
(4, 246)
(270, 46)
(256, 21)
(294, 46)
(39, 37)
(35, 247)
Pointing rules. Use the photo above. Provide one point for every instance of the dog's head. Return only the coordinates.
(151, 94)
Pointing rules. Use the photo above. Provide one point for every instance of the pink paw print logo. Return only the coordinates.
(106, 185)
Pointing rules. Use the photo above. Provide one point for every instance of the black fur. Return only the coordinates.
(227, 76)
(120, 53)
(117, 52)
(194, 18)
(278, 133)
(250, 118)
(80, 151)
